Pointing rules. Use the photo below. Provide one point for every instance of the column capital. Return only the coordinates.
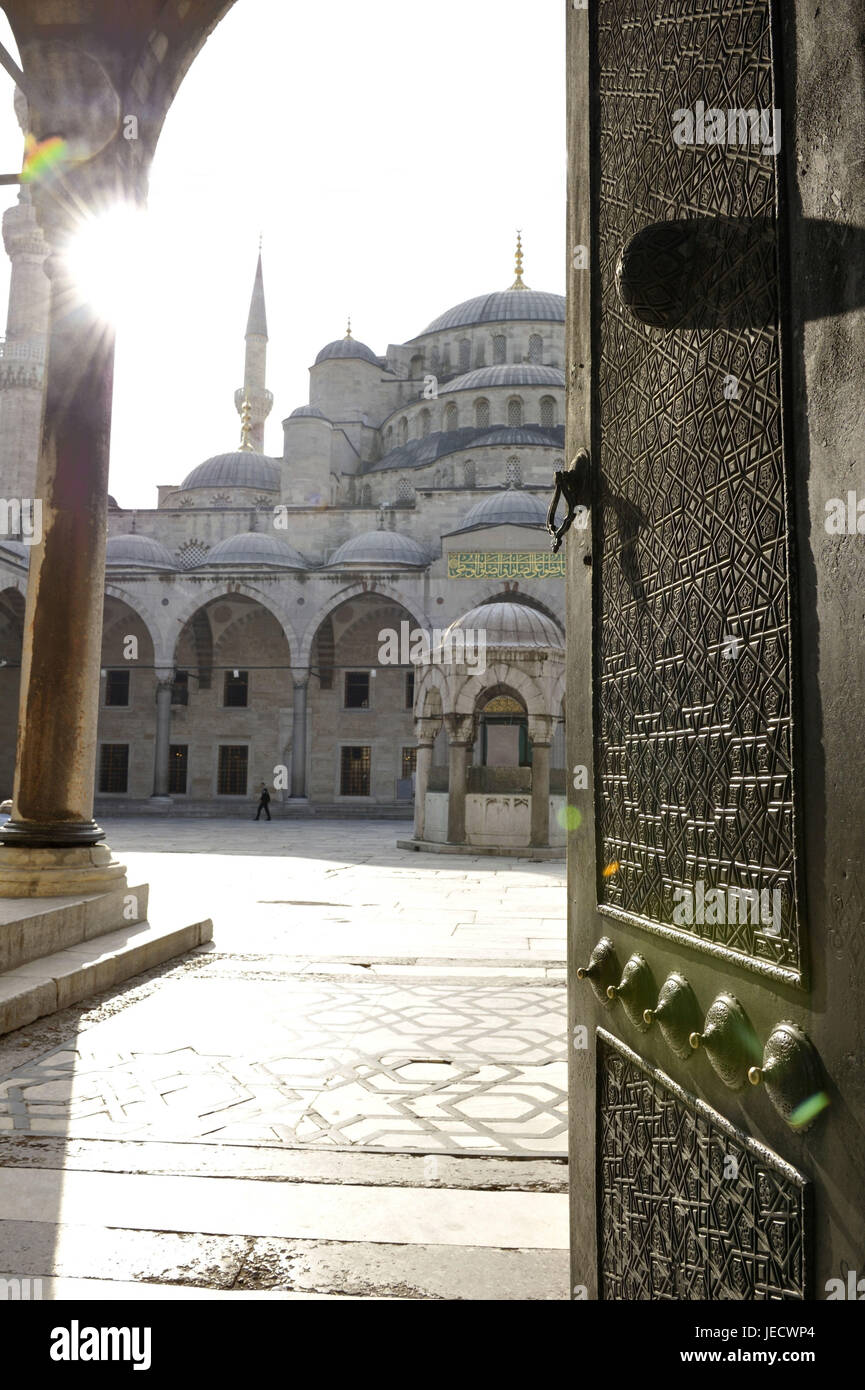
(426, 729)
(460, 728)
(541, 728)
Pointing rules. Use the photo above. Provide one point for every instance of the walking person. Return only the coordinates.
(263, 802)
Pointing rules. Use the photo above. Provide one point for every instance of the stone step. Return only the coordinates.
(66, 977)
(52, 1261)
(30, 929)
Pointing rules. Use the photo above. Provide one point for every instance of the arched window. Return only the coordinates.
(416, 369)
(515, 412)
(403, 430)
(536, 348)
(404, 492)
(482, 414)
(451, 417)
(469, 473)
(465, 354)
(388, 439)
(548, 412)
(513, 473)
(424, 424)
(500, 349)
(366, 495)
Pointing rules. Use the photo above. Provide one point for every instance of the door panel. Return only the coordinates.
(717, 1033)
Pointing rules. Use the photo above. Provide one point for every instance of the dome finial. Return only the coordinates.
(245, 427)
(518, 283)
(348, 328)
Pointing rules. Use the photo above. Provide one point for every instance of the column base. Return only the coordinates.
(58, 873)
(33, 835)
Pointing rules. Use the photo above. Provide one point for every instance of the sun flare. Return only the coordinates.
(110, 262)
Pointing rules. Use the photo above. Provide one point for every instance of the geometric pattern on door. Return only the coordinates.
(689, 1206)
(693, 647)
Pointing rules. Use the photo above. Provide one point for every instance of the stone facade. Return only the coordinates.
(286, 570)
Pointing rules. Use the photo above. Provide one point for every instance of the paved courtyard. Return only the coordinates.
(357, 1089)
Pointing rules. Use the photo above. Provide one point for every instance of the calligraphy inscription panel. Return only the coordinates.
(505, 564)
(693, 682)
(690, 1207)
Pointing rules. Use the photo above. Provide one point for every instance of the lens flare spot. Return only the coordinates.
(42, 158)
(809, 1109)
(569, 818)
(611, 869)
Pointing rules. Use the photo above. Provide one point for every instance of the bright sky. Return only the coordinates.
(387, 151)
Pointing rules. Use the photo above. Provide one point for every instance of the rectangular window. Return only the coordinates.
(409, 761)
(409, 689)
(114, 767)
(357, 690)
(117, 687)
(233, 762)
(354, 772)
(180, 688)
(178, 755)
(236, 689)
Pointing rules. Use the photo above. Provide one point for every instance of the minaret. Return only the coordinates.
(22, 355)
(254, 391)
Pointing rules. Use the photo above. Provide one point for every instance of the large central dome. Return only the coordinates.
(504, 306)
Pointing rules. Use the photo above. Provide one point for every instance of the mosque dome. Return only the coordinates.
(140, 551)
(503, 306)
(347, 347)
(512, 625)
(258, 548)
(379, 548)
(509, 507)
(515, 374)
(243, 468)
(308, 412)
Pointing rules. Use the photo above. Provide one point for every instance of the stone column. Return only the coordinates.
(52, 826)
(540, 729)
(298, 737)
(461, 737)
(540, 833)
(162, 750)
(51, 843)
(425, 732)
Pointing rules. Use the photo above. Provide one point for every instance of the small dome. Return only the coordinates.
(347, 347)
(379, 548)
(307, 412)
(240, 469)
(515, 374)
(258, 548)
(506, 306)
(112, 503)
(512, 625)
(140, 551)
(510, 507)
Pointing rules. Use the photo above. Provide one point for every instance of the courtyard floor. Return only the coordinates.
(356, 1090)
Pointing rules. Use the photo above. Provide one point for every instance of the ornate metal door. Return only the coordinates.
(708, 1082)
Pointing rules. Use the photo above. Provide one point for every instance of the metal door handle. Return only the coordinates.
(572, 484)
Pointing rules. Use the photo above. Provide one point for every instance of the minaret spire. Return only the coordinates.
(519, 283)
(254, 394)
